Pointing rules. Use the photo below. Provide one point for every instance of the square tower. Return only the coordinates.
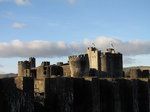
(94, 61)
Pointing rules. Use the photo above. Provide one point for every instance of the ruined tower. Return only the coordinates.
(32, 62)
(43, 71)
(94, 61)
(22, 65)
(79, 65)
(20, 68)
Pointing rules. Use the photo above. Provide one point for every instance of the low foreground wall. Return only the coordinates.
(76, 95)
(97, 95)
(16, 94)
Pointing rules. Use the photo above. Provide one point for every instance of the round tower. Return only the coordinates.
(107, 64)
(78, 65)
(20, 68)
(118, 64)
(111, 63)
(103, 62)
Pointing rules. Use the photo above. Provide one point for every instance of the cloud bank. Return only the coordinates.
(18, 25)
(39, 48)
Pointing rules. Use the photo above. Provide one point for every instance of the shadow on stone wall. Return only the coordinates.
(13, 99)
(76, 95)
(97, 95)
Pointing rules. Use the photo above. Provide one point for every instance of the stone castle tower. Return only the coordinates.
(79, 65)
(111, 63)
(22, 65)
(43, 71)
(94, 61)
(32, 62)
(25, 66)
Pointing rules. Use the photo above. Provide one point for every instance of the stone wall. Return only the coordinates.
(97, 95)
(13, 99)
(88, 94)
(137, 73)
(66, 70)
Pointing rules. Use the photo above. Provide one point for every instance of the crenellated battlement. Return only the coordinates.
(110, 50)
(78, 57)
(83, 56)
(118, 53)
(103, 54)
(93, 50)
(20, 62)
(24, 64)
(79, 65)
(73, 57)
(45, 63)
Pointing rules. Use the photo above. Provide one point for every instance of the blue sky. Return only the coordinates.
(51, 30)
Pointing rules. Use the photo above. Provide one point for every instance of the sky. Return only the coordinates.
(52, 30)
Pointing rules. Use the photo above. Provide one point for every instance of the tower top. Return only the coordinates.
(92, 48)
(110, 50)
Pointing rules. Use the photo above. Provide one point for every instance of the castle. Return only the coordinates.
(94, 63)
(93, 82)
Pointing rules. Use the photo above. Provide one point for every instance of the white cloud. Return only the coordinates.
(133, 47)
(71, 2)
(18, 25)
(22, 2)
(35, 48)
(39, 48)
